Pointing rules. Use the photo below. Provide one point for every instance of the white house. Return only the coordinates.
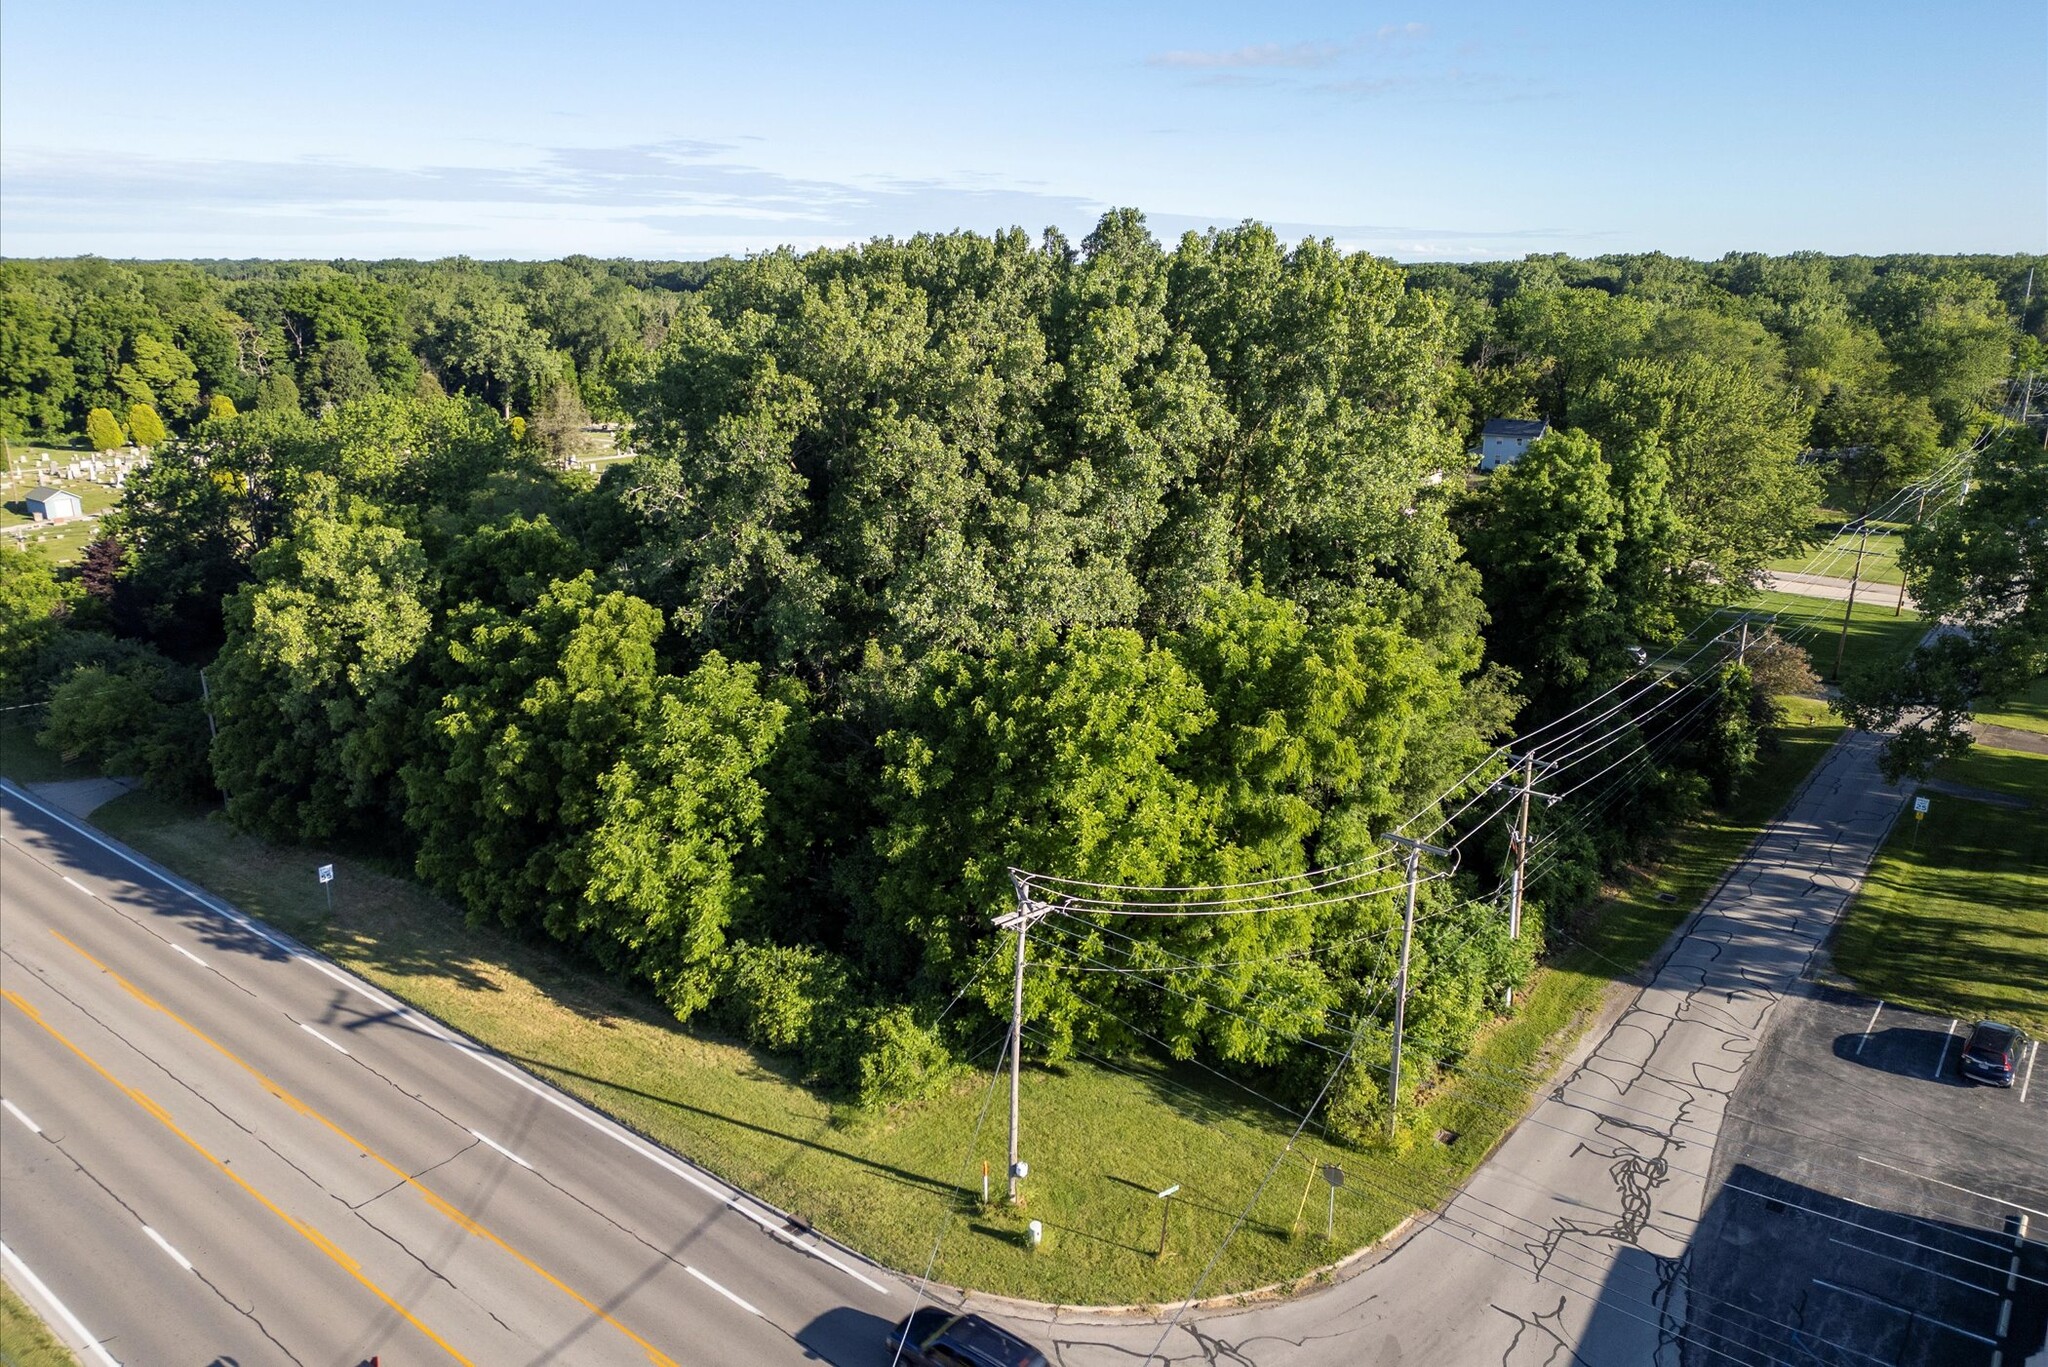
(1503, 440)
(53, 505)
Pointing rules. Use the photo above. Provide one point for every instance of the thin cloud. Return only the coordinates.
(1254, 55)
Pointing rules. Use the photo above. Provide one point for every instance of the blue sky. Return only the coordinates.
(1460, 131)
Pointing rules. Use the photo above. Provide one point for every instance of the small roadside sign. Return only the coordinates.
(327, 873)
(1919, 809)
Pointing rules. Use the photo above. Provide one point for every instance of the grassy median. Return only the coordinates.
(1101, 1138)
(1953, 918)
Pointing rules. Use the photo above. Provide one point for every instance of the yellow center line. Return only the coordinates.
(431, 1197)
(305, 1231)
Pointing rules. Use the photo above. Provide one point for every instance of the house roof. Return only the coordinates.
(1531, 428)
(43, 493)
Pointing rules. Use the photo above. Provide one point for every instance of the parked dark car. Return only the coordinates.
(938, 1337)
(1993, 1053)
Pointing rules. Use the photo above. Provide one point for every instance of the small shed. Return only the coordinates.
(53, 505)
(1503, 440)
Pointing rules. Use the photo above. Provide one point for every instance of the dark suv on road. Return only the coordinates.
(1993, 1053)
(938, 1337)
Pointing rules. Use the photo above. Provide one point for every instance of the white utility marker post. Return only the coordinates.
(1021, 920)
(1415, 850)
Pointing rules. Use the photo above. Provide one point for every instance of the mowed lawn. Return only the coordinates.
(1953, 918)
(2027, 712)
(1834, 555)
(1880, 635)
(1101, 1136)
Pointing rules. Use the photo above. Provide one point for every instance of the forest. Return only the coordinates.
(1138, 566)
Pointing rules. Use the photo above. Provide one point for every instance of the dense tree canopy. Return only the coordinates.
(1125, 562)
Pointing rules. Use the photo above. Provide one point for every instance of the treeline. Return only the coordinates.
(1124, 564)
(188, 340)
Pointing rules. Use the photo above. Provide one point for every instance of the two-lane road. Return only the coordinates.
(217, 1148)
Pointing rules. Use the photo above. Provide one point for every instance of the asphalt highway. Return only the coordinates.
(345, 1178)
(217, 1148)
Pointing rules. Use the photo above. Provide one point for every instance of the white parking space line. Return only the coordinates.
(190, 955)
(165, 1244)
(2033, 1055)
(1923, 1319)
(1942, 1062)
(502, 1149)
(1868, 1026)
(324, 1040)
(722, 1291)
(1923, 1271)
(16, 1112)
(1967, 1191)
(49, 1298)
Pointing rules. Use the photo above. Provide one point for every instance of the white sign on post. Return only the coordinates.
(1919, 806)
(327, 873)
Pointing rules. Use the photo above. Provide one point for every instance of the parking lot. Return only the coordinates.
(1868, 1205)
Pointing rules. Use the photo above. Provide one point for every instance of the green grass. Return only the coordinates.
(1834, 554)
(1100, 1140)
(63, 543)
(2027, 712)
(24, 760)
(25, 1341)
(1953, 917)
(1879, 635)
(94, 498)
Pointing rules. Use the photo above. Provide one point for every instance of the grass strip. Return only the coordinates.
(1102, 1136)
(25, 1341)
(1953, 917)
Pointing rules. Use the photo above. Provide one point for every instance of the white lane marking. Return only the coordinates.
(748, 1308)
(324, 1040)
(616, 1132)
(502, 1149)
(16, 1112)
(784, 1236)
(1879, 1300)
(190, 955)
(49, 1298)
(1867, 1028)
(218, 908)
(2004, 1318)
(2032, 1055)
(1967, 1191)
(165, 1244)
(1947, 1040)
(383, 1003)
(1923, 1271)
(76, 884)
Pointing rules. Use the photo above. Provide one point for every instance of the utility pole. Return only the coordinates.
(1919, 509)
(1021, 920)
(1842, 646)
(1520, 841)
(1415, 849)
(206, 699)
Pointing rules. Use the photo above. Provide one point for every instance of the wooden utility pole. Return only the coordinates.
(1842, 646)
(1415, 850)
(1021, 920)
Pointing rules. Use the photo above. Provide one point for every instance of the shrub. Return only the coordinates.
(773, 995)
(133, 713)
